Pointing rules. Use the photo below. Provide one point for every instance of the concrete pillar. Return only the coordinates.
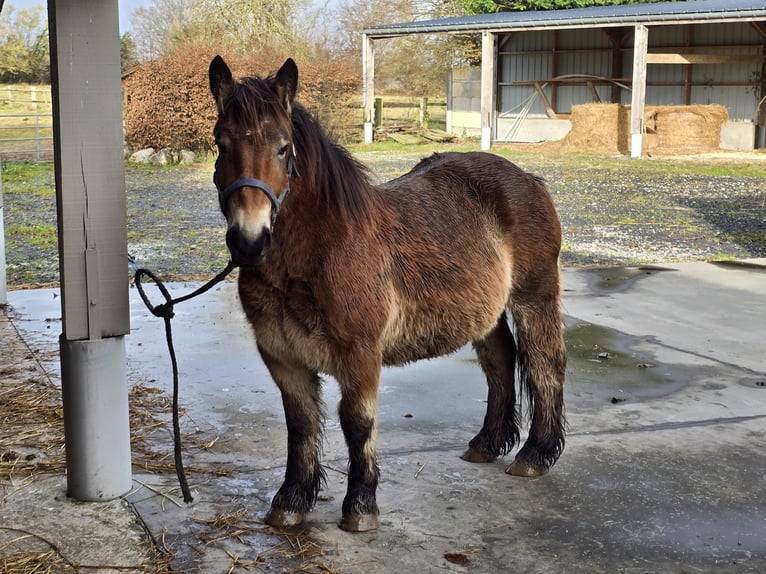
(96, 419)
(93, 254)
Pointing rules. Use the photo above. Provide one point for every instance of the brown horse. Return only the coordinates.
(343, 277)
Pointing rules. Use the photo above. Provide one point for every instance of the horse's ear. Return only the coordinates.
(286, 82)
(221, 81)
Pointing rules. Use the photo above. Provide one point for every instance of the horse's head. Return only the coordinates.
(256, 156)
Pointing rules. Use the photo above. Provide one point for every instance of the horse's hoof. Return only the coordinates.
(360, 522)
(521, 468)
(283, 518)
(473, 455)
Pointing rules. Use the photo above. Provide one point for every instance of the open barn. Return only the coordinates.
(537, 66)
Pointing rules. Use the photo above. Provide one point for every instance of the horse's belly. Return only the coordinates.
(423, 333)
(440, 317)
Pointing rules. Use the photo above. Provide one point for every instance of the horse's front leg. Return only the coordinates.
(301, 398)
(358, 413)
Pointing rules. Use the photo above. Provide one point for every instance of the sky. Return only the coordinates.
(126, 8)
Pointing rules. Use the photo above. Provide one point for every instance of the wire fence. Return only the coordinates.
(25, 137)
(26, 123)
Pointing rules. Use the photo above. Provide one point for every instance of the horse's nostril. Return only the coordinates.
(266, 239)
(245, 249)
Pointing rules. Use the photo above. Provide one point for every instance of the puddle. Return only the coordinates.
(608, 366)
(616, 279)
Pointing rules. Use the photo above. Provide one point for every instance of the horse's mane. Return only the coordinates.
(341, 182)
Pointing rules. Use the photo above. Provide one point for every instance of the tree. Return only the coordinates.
(416, 65)
(234, 26)
(128, 54)
(488, 6)
(24, 51)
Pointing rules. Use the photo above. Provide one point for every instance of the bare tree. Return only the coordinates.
(416, 64)
(236, 26)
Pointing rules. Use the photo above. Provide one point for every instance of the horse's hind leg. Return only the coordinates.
(536, 311)
(304, 417)
(497, 357)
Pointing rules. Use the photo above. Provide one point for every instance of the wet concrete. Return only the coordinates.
(663, 469)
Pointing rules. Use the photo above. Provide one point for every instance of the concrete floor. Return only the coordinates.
(663, 469)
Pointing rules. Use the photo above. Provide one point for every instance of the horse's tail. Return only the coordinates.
(535, 305)
(540, 373)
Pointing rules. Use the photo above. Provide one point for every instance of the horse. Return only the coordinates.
(341, 277)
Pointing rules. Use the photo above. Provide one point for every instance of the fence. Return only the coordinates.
(26, 123)
(29, 139)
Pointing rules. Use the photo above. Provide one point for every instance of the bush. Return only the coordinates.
(168, 101)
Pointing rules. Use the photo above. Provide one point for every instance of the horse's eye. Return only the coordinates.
(283, 150)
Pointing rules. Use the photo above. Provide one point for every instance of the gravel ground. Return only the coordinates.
(613, 211)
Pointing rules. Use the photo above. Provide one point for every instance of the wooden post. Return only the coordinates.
(688, 67)
(378, 118)
(488, 58)
(423, 116)
(616, 39)
(555, 74)
(640, 43)
(450, 95)
(368, 85)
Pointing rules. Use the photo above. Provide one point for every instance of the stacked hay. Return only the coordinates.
(605, 128)
(599, 128)
(684, 129)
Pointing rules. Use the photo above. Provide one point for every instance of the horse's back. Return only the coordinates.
(457, 220)
(512, 201)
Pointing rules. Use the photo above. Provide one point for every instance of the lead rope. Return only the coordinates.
(165, 310)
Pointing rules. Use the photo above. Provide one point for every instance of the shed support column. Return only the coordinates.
(760, 121)
(638, 100)
(92, 237)
(3, 276)
(488, 75)
(368, 86)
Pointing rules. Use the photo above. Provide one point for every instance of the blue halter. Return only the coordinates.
(276, 201)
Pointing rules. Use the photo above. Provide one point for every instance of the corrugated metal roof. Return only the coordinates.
(592, 17)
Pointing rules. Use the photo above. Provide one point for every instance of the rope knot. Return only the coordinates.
(163, 310)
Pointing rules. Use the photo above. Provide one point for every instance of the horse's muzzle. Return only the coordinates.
(246, 251)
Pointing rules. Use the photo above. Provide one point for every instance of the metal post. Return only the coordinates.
(92, 232)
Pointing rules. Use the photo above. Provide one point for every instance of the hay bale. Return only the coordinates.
(684, 129)
(599, 128)
(605, 128)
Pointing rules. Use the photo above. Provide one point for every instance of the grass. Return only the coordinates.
(37, 234)
(38, 178)
(18, 176)
(690, 165)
